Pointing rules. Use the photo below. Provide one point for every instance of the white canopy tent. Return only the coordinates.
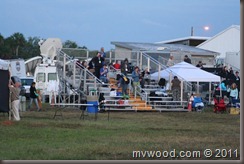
(187, 72)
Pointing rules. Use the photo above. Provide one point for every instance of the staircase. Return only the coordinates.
(136, 103)
(75, 80)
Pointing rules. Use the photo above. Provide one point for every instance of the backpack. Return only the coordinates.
(126, 80)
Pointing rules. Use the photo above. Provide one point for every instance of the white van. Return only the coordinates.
(26, 83)
(43, 76)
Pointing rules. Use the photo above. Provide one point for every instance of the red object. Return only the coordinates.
(120, 102)
(8, 122)
(117, 66)
(219, 105)
(189, 106)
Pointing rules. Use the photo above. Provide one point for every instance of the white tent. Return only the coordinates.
(186, 72)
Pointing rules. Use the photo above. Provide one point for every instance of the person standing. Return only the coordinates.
(103, 54)
(147, 76)
(33, 96)
(175, 86)
(233, 94)
(98, 64)
(224, 72)
(14, 91)
(170, 61)
(125, 67)
(187, 59)
(200, 64)
(123, 82)
(136, 79)
(237, 81)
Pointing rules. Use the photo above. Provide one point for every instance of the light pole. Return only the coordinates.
(206, 28)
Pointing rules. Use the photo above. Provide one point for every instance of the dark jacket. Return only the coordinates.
(32, 92)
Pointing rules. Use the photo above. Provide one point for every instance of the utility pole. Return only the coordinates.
(191, 30)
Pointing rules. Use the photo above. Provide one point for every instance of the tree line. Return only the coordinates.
(17, 46)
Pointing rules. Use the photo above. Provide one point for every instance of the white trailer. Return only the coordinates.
(231, 59)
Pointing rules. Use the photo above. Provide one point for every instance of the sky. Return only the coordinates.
(96, 23)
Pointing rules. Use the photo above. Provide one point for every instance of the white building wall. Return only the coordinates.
(122, 53)
(226, 41)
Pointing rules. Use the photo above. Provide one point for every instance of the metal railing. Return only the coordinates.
(187, 86)
(67, 62)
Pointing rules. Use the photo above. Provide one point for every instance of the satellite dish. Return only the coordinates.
(49, 47)
(161, 48)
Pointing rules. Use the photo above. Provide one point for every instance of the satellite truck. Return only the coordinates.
(45, 74)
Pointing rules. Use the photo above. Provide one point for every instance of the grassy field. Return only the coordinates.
(40, 137)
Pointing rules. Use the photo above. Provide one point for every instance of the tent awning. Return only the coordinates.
(187, 72)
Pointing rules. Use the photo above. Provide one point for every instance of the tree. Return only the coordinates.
(31, 48)
(2, 47)
(13, 44)
(19, 41)
(69, 44)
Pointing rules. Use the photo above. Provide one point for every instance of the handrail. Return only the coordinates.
(82, 68)
(163, 66)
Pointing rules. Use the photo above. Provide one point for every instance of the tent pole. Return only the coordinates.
(220, 90)
(181, 93)
(197, 87)
(170, 79)
(159, 69)
(209, 96)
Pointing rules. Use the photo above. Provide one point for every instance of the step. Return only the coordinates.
(143, 108)
(138, 99)
(138, 104)
(113, 80)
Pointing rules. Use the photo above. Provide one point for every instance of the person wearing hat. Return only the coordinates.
(187, 59)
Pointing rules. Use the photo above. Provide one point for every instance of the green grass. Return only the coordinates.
(40, 137)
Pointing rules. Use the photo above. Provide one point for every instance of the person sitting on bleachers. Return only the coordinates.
(117, 65)
(104, 74)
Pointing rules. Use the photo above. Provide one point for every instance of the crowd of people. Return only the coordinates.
(230, 84)
(98, 66)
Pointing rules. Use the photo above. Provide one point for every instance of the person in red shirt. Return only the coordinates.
(117, 65)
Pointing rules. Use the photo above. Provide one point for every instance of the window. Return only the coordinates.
(40, 77)
(52, 76)
(26, 81)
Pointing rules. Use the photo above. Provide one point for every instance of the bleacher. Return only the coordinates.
(83, 81)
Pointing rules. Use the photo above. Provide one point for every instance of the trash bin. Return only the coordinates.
(92, 100)
(22, 103)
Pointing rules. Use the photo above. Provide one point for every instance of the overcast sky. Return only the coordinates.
(95, 23)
